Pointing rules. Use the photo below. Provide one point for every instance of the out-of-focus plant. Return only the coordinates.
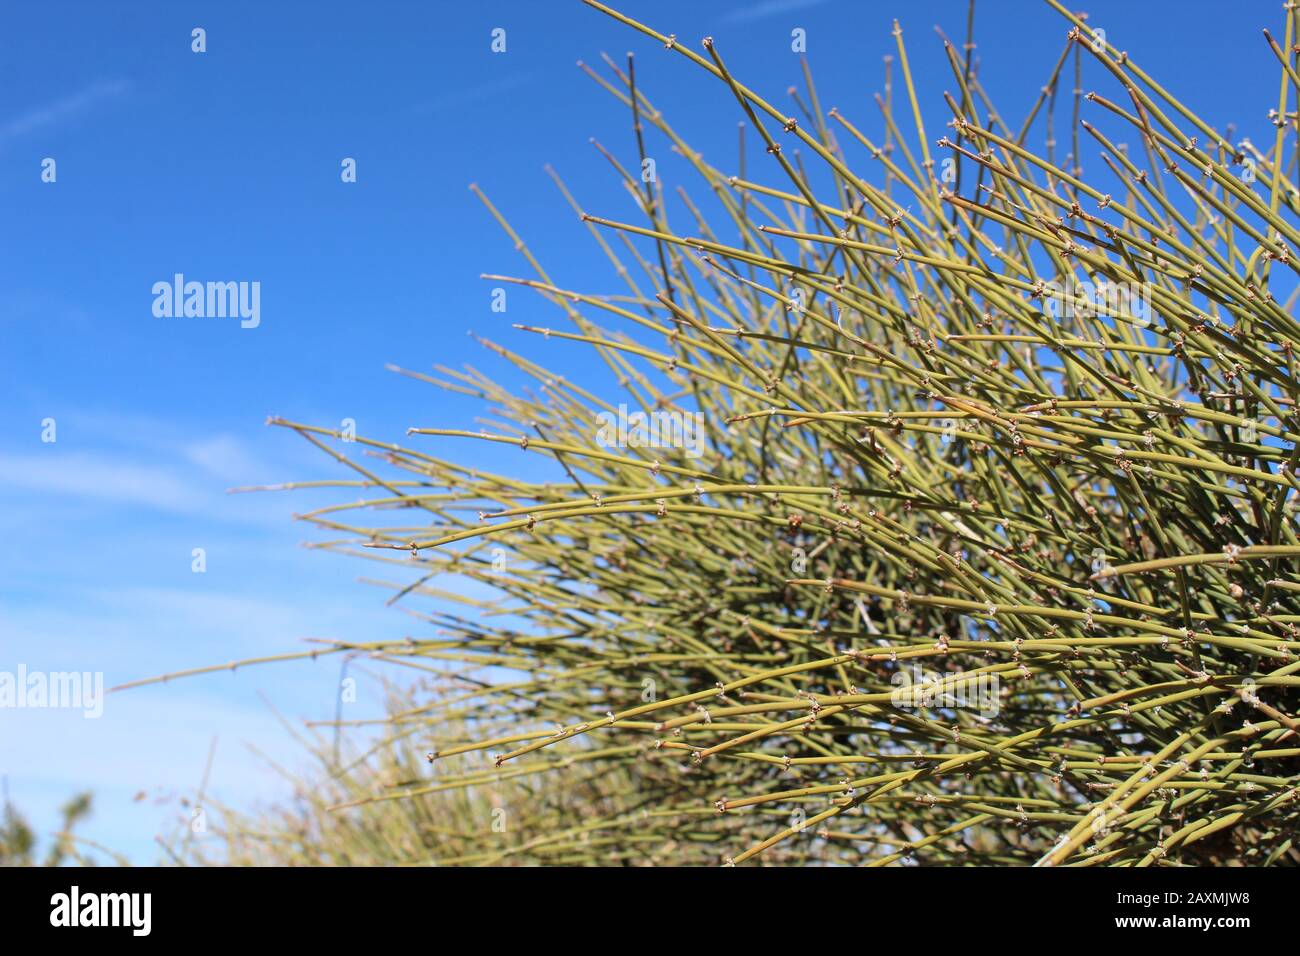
(18, 843)
(480, 817)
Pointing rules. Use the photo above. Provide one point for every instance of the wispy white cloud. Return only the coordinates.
(768, 8)
(100, 477)
(134, 460)
(225, 457)
(137, 629)
(179, 477)
(66, 108)
(455, 98)
(98, 577)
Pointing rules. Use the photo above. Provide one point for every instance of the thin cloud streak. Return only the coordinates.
(457, 98)
(769, 8)
(66, 108)
(100, 477)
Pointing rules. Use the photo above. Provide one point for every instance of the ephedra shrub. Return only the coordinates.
(946, 515)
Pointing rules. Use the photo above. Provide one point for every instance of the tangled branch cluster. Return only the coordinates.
(987, 552)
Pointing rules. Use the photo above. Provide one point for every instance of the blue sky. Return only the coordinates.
(225, 166)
